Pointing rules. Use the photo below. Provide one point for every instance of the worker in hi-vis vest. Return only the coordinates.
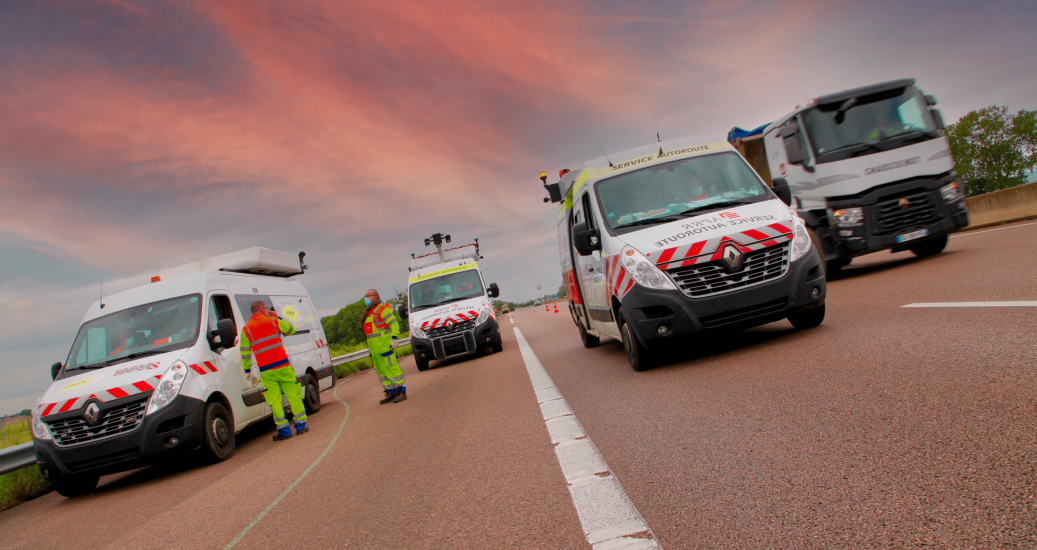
(262, 336)
(382, 330)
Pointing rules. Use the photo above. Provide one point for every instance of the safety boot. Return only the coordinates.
(279, 437)
(401, 397)
(388, 398)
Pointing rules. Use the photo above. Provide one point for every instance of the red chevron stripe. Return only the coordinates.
(666, 255)
(117, 393)
(210, 366)
(66, 406)
(755, 235)
(195, 368)
(779, 227)
(144, 386)
(48, 409)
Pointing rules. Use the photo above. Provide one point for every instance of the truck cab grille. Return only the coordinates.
(893, 219)
(442, 331)
(712, 278)
(121, 419)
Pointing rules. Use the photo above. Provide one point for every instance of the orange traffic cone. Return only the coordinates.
(556, 308)
(547, 308)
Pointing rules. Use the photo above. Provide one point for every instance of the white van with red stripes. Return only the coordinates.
(668, 240)
(156, 370)
(449, 306)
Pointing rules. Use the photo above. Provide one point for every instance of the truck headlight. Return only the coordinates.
(950, 192)
(800, 238)
(484, 314)
(39, 429)
(168, 386)
(416, 332)
(846, 216)
(643, 271)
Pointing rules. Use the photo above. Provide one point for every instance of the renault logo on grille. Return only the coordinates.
(450, 326)
(92, 412)
(731, 256)
(904, 203)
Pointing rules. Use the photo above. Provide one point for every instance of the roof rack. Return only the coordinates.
(469, 251)
(252, 261)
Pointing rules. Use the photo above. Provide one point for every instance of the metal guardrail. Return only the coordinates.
(350, 357)
(17, 457)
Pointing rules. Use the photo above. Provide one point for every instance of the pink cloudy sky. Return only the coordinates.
(143, 135)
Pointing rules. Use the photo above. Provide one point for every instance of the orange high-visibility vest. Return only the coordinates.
(375, 315)
(265, 337)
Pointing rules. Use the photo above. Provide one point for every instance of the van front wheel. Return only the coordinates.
(638, 356)
(217, 432)
(311, 395)
(76, 486)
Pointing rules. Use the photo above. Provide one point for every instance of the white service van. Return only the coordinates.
(664, 241)
(448, 304)
(156, 369)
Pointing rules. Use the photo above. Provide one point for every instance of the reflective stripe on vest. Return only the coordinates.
(264, 329)
(373, 324)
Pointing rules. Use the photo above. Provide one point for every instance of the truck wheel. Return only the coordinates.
(639, 357)
(589, 341)
(809, 318)
(76, 486)
(311, 395)
(816, 241)
(217, 432)
(930, 247)
(422, 365)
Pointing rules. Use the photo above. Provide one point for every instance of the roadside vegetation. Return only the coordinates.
(21, 485)
(994, 149)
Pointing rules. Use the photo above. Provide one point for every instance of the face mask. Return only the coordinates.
(367, 301)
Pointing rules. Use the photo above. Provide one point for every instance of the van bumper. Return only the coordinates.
(143, 446)
(484, 335)
(648, 310)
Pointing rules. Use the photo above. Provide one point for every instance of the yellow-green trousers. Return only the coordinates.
(282, 381)
(388, 370)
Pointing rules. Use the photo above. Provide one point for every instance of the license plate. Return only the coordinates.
(912, 236)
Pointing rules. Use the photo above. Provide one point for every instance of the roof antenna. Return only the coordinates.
(602, 149)
(657, 138)
(100, 293)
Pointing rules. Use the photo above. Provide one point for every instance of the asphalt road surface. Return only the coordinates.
(884, 427)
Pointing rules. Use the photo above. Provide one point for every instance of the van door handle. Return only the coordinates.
(590, 269)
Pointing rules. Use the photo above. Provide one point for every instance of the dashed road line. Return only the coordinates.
(967, 233)
(608, 517)
(327, 449)
(973, 304)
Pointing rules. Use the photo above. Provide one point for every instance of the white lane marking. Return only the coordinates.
(258, 518)
(967, 233)
(973, 304)
(512, 319)
(608, 517)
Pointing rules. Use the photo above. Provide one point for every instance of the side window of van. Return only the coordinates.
(298, 311)
(588, 211)
(245, 303)
(219, 309)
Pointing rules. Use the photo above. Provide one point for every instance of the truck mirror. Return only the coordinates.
(930, 100)
(401, 310)
(223, 336)
(493, 290)
(781, 189)
(554, 192)
(937, 119)
(585, 239)
(54, 370)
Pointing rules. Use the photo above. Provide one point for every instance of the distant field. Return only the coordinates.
(15, 432)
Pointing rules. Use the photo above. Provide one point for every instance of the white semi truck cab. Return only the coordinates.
(672, 239)
(867, 169)
(449, 307)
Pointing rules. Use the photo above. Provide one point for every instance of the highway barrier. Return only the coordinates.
(17, 457)
(350, 357)
(1014, 203)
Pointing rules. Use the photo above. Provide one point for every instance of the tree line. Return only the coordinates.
(994, 149)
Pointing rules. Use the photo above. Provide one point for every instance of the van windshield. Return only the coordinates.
(139, 331)
(678, 189)
(444, 289)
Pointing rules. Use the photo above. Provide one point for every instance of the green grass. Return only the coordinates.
(16, 434)
(19, 486)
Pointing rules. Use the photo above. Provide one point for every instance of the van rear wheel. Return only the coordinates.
(76, 486)
(311, 395)
(217, 432)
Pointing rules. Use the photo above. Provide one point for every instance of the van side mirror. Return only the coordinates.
(223, 336)
(401, 311)
(937, 119)
(585, 239)
(781, 189)
(554, 192)
(493, 291)
(54, 370)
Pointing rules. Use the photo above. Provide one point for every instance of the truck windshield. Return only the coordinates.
(139, 331)
(874, 123)
(678, 189)
(444, 289)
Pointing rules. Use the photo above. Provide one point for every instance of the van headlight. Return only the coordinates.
(168, 386)
(643, 271)
(484, 314)
(800, 238)
(416, 332)
(39, 429)
(950, 192)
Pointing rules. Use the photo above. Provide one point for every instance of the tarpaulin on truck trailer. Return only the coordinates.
(737, 132)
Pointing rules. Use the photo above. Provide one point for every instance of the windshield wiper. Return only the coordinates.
(131, 356)
(650, 221)
(419, 308)
(714, 205)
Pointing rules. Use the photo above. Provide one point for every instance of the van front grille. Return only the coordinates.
(121, 419)
(457, 329)
(712, 278)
